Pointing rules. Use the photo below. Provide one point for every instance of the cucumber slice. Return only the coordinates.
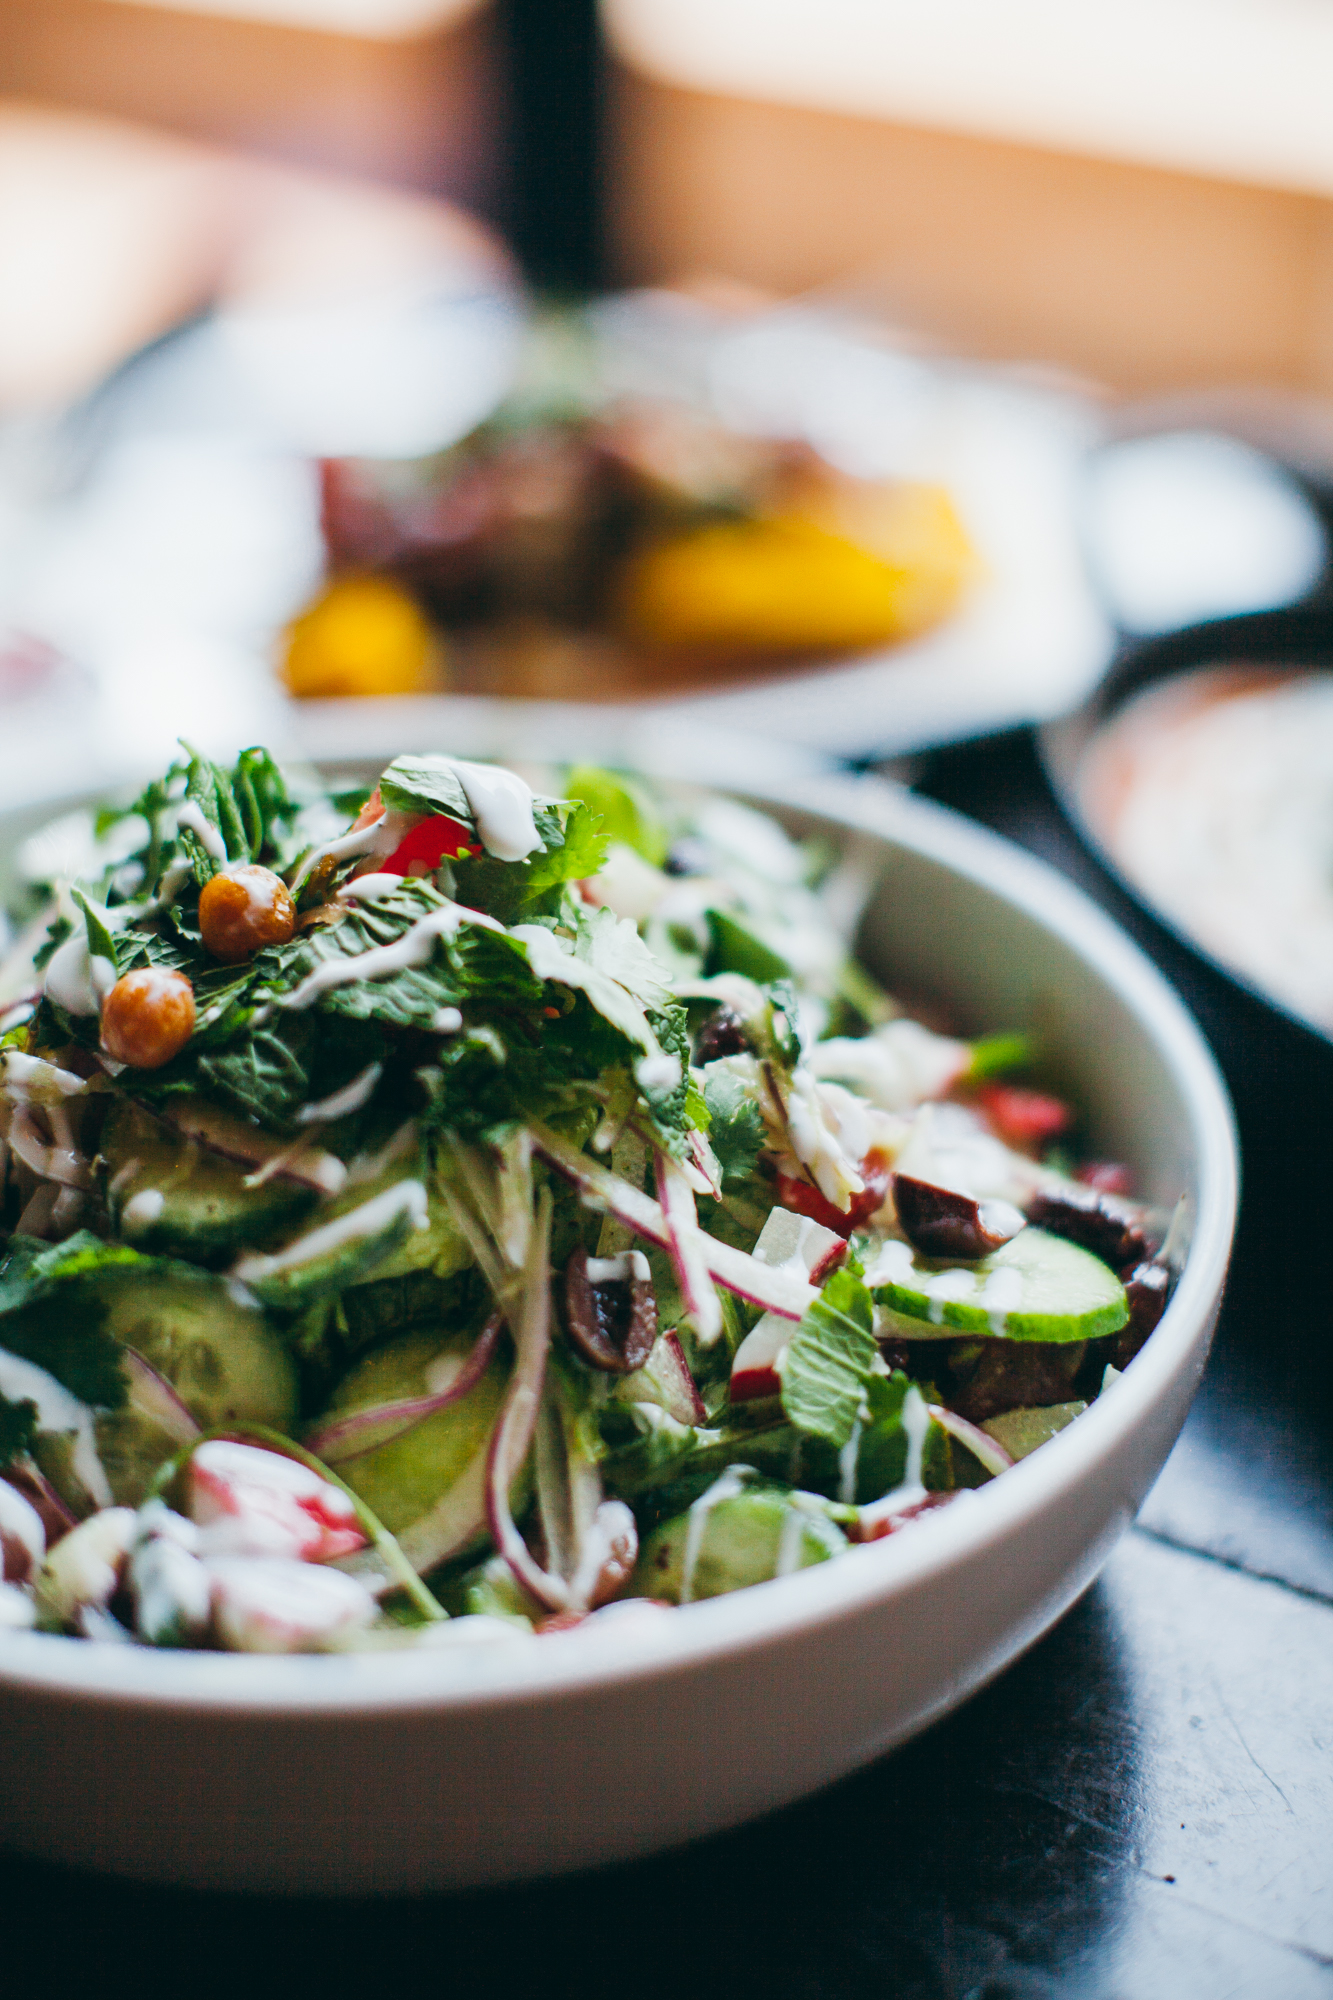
(173, 1198)
(388, 1228)
(221, 1356)
(1038, 1287)
(1021, 1432)
(734, 1535)
(402, 1480)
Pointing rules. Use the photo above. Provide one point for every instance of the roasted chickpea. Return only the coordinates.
(242, 910)
(148, 1017)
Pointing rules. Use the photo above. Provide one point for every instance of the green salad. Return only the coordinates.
(470, 1208)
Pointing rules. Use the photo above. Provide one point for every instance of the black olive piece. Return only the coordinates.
(613, 1325)
(944, 1222)
(1114, 1229)
(722, 1034)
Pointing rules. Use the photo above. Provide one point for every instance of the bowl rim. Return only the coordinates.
(467, 1678)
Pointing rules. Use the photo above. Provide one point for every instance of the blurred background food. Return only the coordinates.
(857, 375)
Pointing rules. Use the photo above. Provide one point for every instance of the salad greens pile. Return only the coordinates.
(539, 1212)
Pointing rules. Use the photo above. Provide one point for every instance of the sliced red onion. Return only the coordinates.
(697, 1290)
(775, 1290)
(513, 1432)
(981, 1444)
(365, 1430)
(35, 1487)
(50, 1162)
(153, 1396)
(873, 1527)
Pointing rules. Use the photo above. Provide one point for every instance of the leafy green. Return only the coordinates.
(571, 851)
(626, 811)
(996, 1055)
(18, 1429)
(830, 1360)
(49, 1313)
(426, 785)
(733, 948)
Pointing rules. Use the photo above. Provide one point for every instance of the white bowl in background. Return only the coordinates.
(426, 1770)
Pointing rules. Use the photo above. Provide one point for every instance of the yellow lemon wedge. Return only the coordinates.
(363, 635)
(844, 564)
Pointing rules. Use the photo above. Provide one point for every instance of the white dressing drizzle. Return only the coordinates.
(191, 819)
(446, 1021)
(414, 947)
(731, 1483)
(848, 1462)
(339, 1103)
(77, 980)
(143, 1209)
(1002, 1291)
(789, 1541)
(629, 1265)
(361, 840)
(405, 1197)
(915, 1418)
(57, 1410)
(501, 804)
(369, 888)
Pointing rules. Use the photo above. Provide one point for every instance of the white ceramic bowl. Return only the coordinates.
(425, 1770)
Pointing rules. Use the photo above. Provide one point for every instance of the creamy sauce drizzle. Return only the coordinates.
(191, 819)
(75, 979)
(340, 1103)
(916, 1426)
(361, 840)
(732, 1482)
(415, 947)
(629, 1265)
(369, 888)
(501, 804)
(143, 1209)
(57, 1410)
(848, 1461)
(405, 1197)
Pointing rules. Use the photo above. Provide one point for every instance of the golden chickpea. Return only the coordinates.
(242, 910)
(148, 1017)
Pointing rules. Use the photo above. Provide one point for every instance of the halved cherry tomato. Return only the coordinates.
(805, 1199)
(1024, 1117)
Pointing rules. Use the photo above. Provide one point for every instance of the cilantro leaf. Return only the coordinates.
(829, 1362)
(737, 1131)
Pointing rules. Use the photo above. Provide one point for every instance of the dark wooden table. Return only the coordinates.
(1142, 1807)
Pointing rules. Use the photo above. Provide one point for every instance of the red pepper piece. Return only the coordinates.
(429, 843)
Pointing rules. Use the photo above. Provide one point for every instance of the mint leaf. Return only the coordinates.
(626, 812)
(829, 1362)
(571, 851)
(426, 785)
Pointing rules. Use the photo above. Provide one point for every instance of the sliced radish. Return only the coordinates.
(271, 1605)
(756, 1370)
(252, 1502)
(799, 1246)
(988, 1451)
